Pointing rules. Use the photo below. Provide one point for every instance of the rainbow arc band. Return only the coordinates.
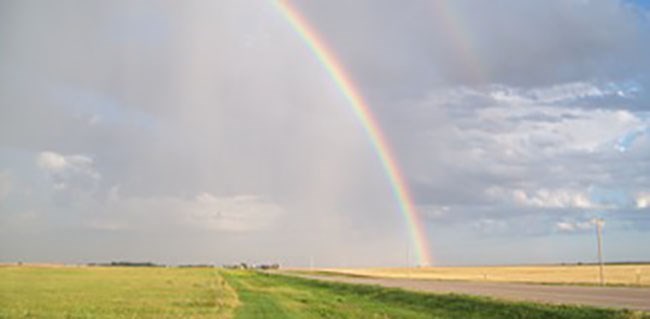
(365, 116)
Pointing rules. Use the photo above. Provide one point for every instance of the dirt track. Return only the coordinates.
(617, 297)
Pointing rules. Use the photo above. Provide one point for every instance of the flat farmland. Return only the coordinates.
(157, 292)
(629, 275)
(114, 292)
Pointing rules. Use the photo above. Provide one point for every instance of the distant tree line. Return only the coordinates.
(151, 264)
(125, 264)
(196, 266)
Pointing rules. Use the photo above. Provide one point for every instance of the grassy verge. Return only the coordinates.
(328, 273)
(69, 292)
(277, 296)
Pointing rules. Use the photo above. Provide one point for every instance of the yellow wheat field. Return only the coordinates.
(614, 274)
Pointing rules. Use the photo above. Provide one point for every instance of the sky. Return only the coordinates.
(208, 131)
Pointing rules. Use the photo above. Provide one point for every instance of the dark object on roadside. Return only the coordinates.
(268, 267)
(247, 266)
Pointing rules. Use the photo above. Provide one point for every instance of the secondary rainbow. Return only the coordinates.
(460, 38)
(370, 125)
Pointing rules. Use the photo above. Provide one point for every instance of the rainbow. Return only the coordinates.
(460, 37)
(370, 125)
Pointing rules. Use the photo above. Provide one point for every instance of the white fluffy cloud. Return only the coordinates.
(532, 123)
(643, 200)
(51, 161)
(508, 153)
(544, 198)
(68, 171)
(570, 226)
(560, 93)
(55, 162)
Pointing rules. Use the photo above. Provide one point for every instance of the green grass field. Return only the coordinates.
(68, 292)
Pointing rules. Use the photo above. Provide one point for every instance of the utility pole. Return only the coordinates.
(599, 234)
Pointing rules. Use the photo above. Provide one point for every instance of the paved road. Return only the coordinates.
(617, 297)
